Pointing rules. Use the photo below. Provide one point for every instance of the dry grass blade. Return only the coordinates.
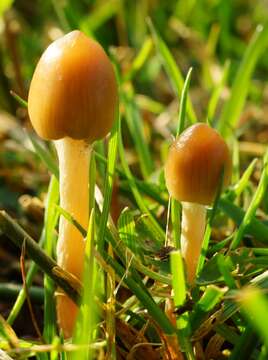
(23, 274)
(62, 278)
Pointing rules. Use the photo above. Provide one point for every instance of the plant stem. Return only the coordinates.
(10, 291)
(192, 232)
(61, 277)
(14, 312)
(74, 198)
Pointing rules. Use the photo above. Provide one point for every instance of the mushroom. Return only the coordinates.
(193, 171)
(72, 100)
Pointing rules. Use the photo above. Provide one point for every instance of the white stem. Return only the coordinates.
(192, 233)
(74, 198)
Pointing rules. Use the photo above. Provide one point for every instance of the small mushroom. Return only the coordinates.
(72, 100)
(193, 171)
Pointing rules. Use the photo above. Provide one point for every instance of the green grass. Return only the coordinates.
(175, 64)
(234, 106)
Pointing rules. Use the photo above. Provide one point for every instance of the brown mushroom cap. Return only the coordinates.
(73, 90)
(194, 165)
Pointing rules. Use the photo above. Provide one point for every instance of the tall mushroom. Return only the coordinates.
(193, 170)
(72, 100)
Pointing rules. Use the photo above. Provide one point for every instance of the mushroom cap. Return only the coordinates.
(194, 165)
(73, 91)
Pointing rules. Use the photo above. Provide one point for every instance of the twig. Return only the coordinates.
(23, 274)
(69, 283)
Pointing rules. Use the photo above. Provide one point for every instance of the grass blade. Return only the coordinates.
(140, 59)
(86, 318)
(183, 103)
(175, 205)
(126, 230)
(51, 219)
(209, 225)
(175, 209)
(59, 11)
(171, 68)
(135, 127)
(255, 202)
(159, 232)
(242, 183)
(19, 99)
(22, 294)
(178, 278)
(256, 228)
(45, 156)
(245, 345)
(99, 16)
(234, 106)
(207, 302)
(225, 269)
(108, 185)
(255, 308)
(217, 92)
(154, 310)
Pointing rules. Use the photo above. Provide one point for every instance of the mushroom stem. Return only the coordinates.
(74, 198)
(192, 233)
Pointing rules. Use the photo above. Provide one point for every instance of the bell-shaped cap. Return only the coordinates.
(195, 163)
(73, 91)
